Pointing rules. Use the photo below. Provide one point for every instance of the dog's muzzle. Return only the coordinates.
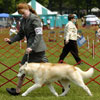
(19, 75)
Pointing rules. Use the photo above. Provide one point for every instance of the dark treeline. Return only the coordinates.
(80, 7)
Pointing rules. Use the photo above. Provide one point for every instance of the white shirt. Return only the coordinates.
(98, 33)
(12, 31)
(48, 21)
(70, 31)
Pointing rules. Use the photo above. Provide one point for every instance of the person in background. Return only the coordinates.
(31, 28)
(98, 34)
(42, 22)
(18, 25)
(82, 21)
(14, 21)
(13, 31)
(48, 23)
(70, 40)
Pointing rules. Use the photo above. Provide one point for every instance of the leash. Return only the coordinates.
(27, 57)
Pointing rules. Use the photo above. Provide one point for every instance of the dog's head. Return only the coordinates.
(22, 70)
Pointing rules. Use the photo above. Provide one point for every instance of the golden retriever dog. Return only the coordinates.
(47, 73)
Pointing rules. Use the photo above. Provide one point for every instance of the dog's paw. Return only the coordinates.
(61, 95)
(23, 94)
(56, 94)
(91, 94)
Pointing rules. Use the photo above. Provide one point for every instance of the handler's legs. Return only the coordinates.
(64, 53)
(74, 52)
(20, 82)
(16, 91)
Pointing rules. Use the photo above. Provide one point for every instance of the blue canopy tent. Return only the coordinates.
(4, 15)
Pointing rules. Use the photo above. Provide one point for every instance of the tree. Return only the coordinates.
(1, 6)
(69, 6)
(43, 2)
(9, 6)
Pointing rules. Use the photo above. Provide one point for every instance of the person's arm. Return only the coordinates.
(18, 36)
(68, 30)
(38, 33)
(79, 36)
(98, 30)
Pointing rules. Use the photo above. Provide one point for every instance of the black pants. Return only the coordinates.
(70, 47)
(37, 57)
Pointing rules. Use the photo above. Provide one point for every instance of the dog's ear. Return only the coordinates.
(25, 65)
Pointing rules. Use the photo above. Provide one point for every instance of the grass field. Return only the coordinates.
(10, 55)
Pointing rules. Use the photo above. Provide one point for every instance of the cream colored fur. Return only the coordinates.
(46, 73)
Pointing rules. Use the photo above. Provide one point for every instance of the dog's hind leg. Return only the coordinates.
(85, 88)
(35, 86)
(52, 89)
(79, 81)
(66, 85)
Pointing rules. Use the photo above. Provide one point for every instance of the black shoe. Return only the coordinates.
(12, 91)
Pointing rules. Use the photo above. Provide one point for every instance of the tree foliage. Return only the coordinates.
(9, 6)
(69, 6)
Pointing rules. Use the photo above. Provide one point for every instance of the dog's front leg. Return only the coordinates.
(52, 89)
(35, 86)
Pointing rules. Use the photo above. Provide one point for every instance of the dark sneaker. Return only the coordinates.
(12, 91)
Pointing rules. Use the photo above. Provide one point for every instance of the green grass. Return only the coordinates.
(9, 55)
(75, 93)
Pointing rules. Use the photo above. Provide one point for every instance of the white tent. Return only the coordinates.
(41, 10)
(95, 9)
(16, 14)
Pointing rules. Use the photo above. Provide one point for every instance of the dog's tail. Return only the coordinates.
(86, 74)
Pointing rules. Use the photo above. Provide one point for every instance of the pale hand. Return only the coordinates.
(7, 40)
(28, 50)
(66, 41)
